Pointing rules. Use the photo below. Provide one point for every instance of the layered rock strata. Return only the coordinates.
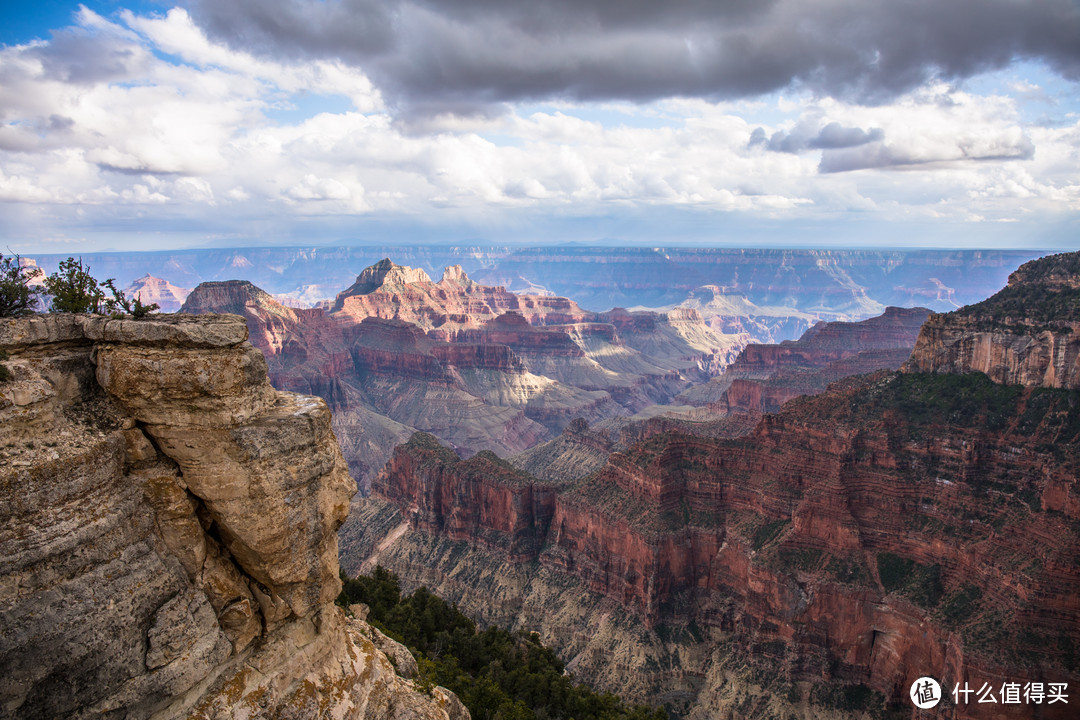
(826, 342)
(765, 376)
(168, 540)
(860, 545)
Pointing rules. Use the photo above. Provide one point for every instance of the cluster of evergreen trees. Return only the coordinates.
(499, 675)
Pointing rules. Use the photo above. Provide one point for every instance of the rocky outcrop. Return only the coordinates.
(1027, 334)
(576, 452)
(168, 540)
(483, 499)
(827, 342)
(390, 291)
(768, 394)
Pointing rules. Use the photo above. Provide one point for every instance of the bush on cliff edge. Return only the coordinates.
(74, 290)
(16, 293)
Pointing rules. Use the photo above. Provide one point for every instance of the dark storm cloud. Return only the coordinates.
(473, 53)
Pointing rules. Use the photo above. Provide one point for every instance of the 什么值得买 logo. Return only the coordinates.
(925, 693)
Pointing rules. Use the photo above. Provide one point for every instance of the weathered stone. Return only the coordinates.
(949, 344)
(171, 330)
(174, 629)
(399, 655)
(182, 386)
(139, 447)
(143, 578)
(174, 510)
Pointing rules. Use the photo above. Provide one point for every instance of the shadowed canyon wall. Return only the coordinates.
(764, 377)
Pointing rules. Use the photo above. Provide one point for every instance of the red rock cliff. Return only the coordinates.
(896, 328)
(868, 538)
(481, 499)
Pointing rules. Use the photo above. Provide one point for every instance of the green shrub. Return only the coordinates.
(962, 604)
(926, 589)
(133, 307)
(74, 290)
(5, 374)
(16, 293)
(768, 532)
(805, 559)
(893, 570)
(919, 583)
(849, 698)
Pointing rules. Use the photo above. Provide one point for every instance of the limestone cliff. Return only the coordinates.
(168, 540)
(1026, 334)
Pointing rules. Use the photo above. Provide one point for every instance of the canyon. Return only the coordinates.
(693, 509)
(477, 366)
(898, 524)
(168, 542)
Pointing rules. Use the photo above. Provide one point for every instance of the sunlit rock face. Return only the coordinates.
(168, 539)
(476, 366)
(154, 290)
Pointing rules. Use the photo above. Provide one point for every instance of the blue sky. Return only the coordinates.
(153, 124)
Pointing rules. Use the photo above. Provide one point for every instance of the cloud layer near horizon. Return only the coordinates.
(287, 113)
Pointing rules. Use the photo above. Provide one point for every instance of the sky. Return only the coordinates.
(796, 123)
